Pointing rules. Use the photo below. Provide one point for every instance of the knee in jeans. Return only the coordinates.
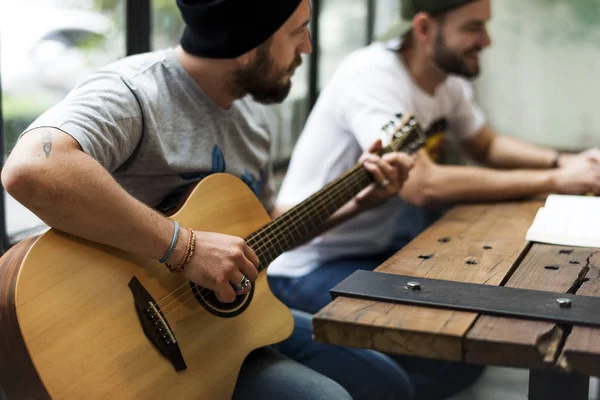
(392, 382)
(317, 387)
(331, 391)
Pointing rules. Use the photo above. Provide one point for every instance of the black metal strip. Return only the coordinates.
(137, 26)
(485, 299)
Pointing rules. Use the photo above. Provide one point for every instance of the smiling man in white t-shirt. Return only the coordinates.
(424, 71)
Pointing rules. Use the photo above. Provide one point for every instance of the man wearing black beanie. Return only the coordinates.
(227, 34)
(109, 160)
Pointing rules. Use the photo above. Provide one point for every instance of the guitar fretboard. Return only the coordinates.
(299, 224)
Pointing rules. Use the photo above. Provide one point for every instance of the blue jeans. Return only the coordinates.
(300, 368)
(431, 379)
(268, 375)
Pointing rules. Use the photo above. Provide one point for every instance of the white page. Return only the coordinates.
(567, 220)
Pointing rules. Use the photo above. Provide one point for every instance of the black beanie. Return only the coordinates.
(230, 28)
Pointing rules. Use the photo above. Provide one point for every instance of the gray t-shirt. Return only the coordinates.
(149, 124)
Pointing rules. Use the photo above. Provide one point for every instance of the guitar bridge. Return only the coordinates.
(155, 325)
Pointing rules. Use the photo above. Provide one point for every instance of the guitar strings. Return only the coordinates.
(260, 245)
(263, 242)
(261, 238)
(352, 177)
(202, 292)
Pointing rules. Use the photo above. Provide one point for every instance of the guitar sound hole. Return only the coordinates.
(209, 301)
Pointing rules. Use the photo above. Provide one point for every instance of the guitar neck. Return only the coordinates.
(298, 224)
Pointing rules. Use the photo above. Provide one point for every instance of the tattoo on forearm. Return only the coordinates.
(47, 143)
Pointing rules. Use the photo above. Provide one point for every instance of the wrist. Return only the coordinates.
(180, 247)
(174, 238)
(561, 159)
(553, 181)
(187, 256)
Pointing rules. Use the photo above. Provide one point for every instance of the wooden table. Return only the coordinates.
(482, 244)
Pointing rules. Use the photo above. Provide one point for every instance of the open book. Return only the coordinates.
(567, 220)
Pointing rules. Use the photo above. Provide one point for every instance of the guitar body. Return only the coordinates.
(69, 324)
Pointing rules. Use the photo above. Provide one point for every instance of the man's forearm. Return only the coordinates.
(452, 184)
(85, 201)
(507, 152)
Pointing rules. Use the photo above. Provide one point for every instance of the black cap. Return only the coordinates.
(410, 8)
(230, 28)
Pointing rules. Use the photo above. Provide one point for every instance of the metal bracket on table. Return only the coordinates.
(484, 299)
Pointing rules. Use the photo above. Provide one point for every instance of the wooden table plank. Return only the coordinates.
(582, 348)
(518, 342)
(446, 250)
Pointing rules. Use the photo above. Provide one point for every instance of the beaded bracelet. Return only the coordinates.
(188, 253)
(172, 246)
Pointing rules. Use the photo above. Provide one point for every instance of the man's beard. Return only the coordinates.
(450, 62)
(263, 80)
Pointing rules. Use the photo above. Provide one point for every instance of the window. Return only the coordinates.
(42, 59)
(167, 24)
(342, 29)
(386, 13)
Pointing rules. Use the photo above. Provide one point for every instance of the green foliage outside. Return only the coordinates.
(21, 109)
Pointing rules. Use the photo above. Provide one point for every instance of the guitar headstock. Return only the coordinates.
(406, 135)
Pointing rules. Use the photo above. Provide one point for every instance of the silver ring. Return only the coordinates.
(384, 183)
(242, 284)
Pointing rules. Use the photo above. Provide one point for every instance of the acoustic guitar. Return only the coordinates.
(79, 320)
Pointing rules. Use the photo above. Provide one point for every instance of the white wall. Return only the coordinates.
(540, 79)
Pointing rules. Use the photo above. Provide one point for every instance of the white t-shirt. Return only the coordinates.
(369, 88)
